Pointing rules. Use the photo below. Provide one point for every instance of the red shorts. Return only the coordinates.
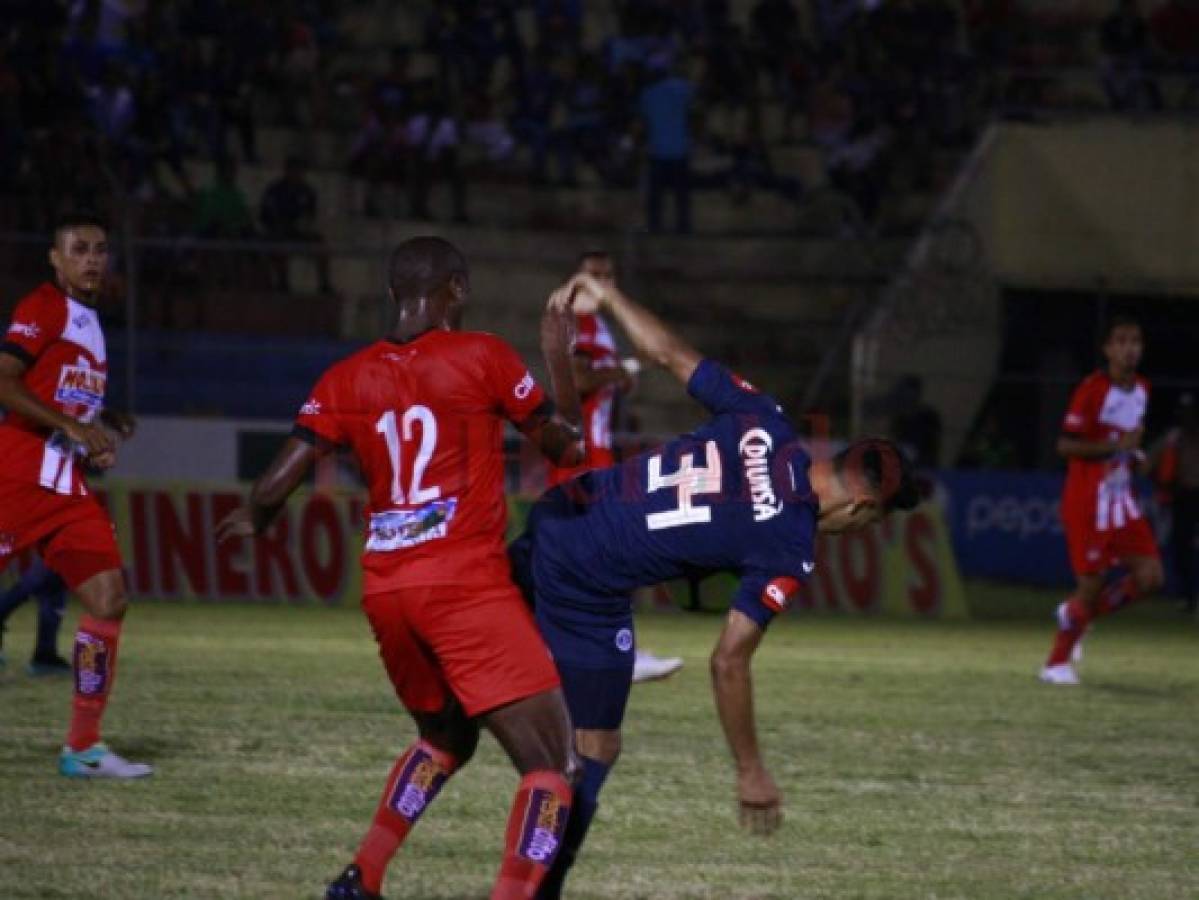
(1093, 551)
(480, 645)
(74, 535)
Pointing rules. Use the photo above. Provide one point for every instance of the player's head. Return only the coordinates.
(864, 482)
(1123, 344)
(598, 264)
(79, 255)
(429, 282)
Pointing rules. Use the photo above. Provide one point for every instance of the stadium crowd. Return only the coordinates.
(679, 95)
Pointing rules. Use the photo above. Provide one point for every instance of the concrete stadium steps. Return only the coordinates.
(518, 204)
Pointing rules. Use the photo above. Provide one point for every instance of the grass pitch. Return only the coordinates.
(917, 760)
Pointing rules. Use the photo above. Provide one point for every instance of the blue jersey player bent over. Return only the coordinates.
(739, 494)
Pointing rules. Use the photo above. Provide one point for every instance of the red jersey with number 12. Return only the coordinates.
(60, 341)
(425, 420)
(1099, 492)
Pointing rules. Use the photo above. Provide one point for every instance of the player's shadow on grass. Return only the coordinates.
(1172, 692)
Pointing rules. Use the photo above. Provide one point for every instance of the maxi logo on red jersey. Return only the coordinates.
(81, 385)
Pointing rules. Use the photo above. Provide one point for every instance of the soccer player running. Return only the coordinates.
(423, 411)
(738, 494)
(1101, 438)
(53, 374)
(600, 375)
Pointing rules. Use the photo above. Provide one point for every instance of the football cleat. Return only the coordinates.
(647, 667)
(348, 886)
(1063, 673)
(97, 761)
(40, 666)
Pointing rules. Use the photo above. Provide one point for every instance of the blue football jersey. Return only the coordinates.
(730, 496)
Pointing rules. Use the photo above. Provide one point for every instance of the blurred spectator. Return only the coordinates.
(1124, 39)
(990, 447)
(1175, 27)
(775, 29)
(916, 425)
(432, 137)
(221, 210)
(665, 107)
(1175, 461)
(288, 214)
(537, 99)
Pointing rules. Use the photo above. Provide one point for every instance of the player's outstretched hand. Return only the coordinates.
(761, 802)
(92, 438)
(237, 524)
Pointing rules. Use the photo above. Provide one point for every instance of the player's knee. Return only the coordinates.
(1150, 578)
(110, 606)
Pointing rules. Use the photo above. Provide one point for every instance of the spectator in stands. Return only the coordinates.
(584, 131)
(221, 210)
(1124, 69)
(432, 137)
(915, 425)
(288, 213)
(1175, 463)
(537, 98)
(665, 108)
(1175, 27)
(990, 447)
(775, 29)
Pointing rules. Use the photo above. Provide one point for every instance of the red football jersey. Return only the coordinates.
(594, 340)
(1099, 492)
(426, 421)
(61, 342)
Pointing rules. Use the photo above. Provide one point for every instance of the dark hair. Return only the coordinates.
(79, 219)
(884, 468)
(1120, 320)
(593, 253)
(421, 265)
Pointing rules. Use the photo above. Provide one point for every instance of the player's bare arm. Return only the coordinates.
(732, 685)
(651, 337)
(1078, 448)
(17, 398)
(286, 472)
(554, 428)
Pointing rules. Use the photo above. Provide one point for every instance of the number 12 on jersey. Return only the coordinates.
(391, 429)
(690, 481)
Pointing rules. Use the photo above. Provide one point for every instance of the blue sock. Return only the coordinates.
(582, 811)
(21, 591)
(51, 603)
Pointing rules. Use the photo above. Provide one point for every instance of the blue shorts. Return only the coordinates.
(594, 655)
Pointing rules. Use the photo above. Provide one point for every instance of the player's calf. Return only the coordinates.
(415, 781)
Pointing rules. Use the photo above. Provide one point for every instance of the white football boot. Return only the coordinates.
(647, 667)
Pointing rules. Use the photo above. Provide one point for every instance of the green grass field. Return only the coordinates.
(917, 760)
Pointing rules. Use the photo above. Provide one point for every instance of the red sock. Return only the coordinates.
(534, 834)
(95, 661)
(1077, 619)
(414, 782)
(1117, 595)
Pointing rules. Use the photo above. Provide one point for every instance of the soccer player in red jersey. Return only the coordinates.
(53, 373)
(423, 410)
(1101, 438)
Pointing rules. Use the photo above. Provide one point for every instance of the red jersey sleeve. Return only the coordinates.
(1083, 411)
(320, 418)
(513, 386)
(36, 323)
